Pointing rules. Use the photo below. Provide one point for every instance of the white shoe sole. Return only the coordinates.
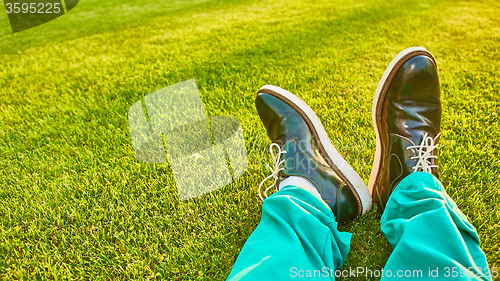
(336, 159)
(394, 65)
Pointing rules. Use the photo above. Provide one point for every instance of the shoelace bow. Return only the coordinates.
(425, 153)
(274, 172)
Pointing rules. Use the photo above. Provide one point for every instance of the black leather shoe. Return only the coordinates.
(304, 150)
(406, 115)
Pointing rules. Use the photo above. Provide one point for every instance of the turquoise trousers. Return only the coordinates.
(297, 238)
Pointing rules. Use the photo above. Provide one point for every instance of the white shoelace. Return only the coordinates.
(425, 153)
(274, 172)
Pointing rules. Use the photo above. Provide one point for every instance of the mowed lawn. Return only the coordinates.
(76, 204)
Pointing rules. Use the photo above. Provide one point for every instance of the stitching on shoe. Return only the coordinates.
(339, 191)
(294, 142)
(317, 185)
(400, 170)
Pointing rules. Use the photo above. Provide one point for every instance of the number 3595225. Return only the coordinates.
(33, 8)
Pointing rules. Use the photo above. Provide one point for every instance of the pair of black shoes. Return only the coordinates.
(406, 115)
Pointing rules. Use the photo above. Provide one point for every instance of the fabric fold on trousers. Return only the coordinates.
(296, 237)
(431, 237)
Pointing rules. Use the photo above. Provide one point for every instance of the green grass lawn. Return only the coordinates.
(76, 204)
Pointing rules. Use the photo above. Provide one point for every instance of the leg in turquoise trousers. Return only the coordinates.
(298, 237)
(430, 235)
(297, 234)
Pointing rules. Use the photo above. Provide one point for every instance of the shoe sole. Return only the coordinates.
(328, 151)
(378, 99)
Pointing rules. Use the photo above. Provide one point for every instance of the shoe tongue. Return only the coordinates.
(413, 149)
(406, 150)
